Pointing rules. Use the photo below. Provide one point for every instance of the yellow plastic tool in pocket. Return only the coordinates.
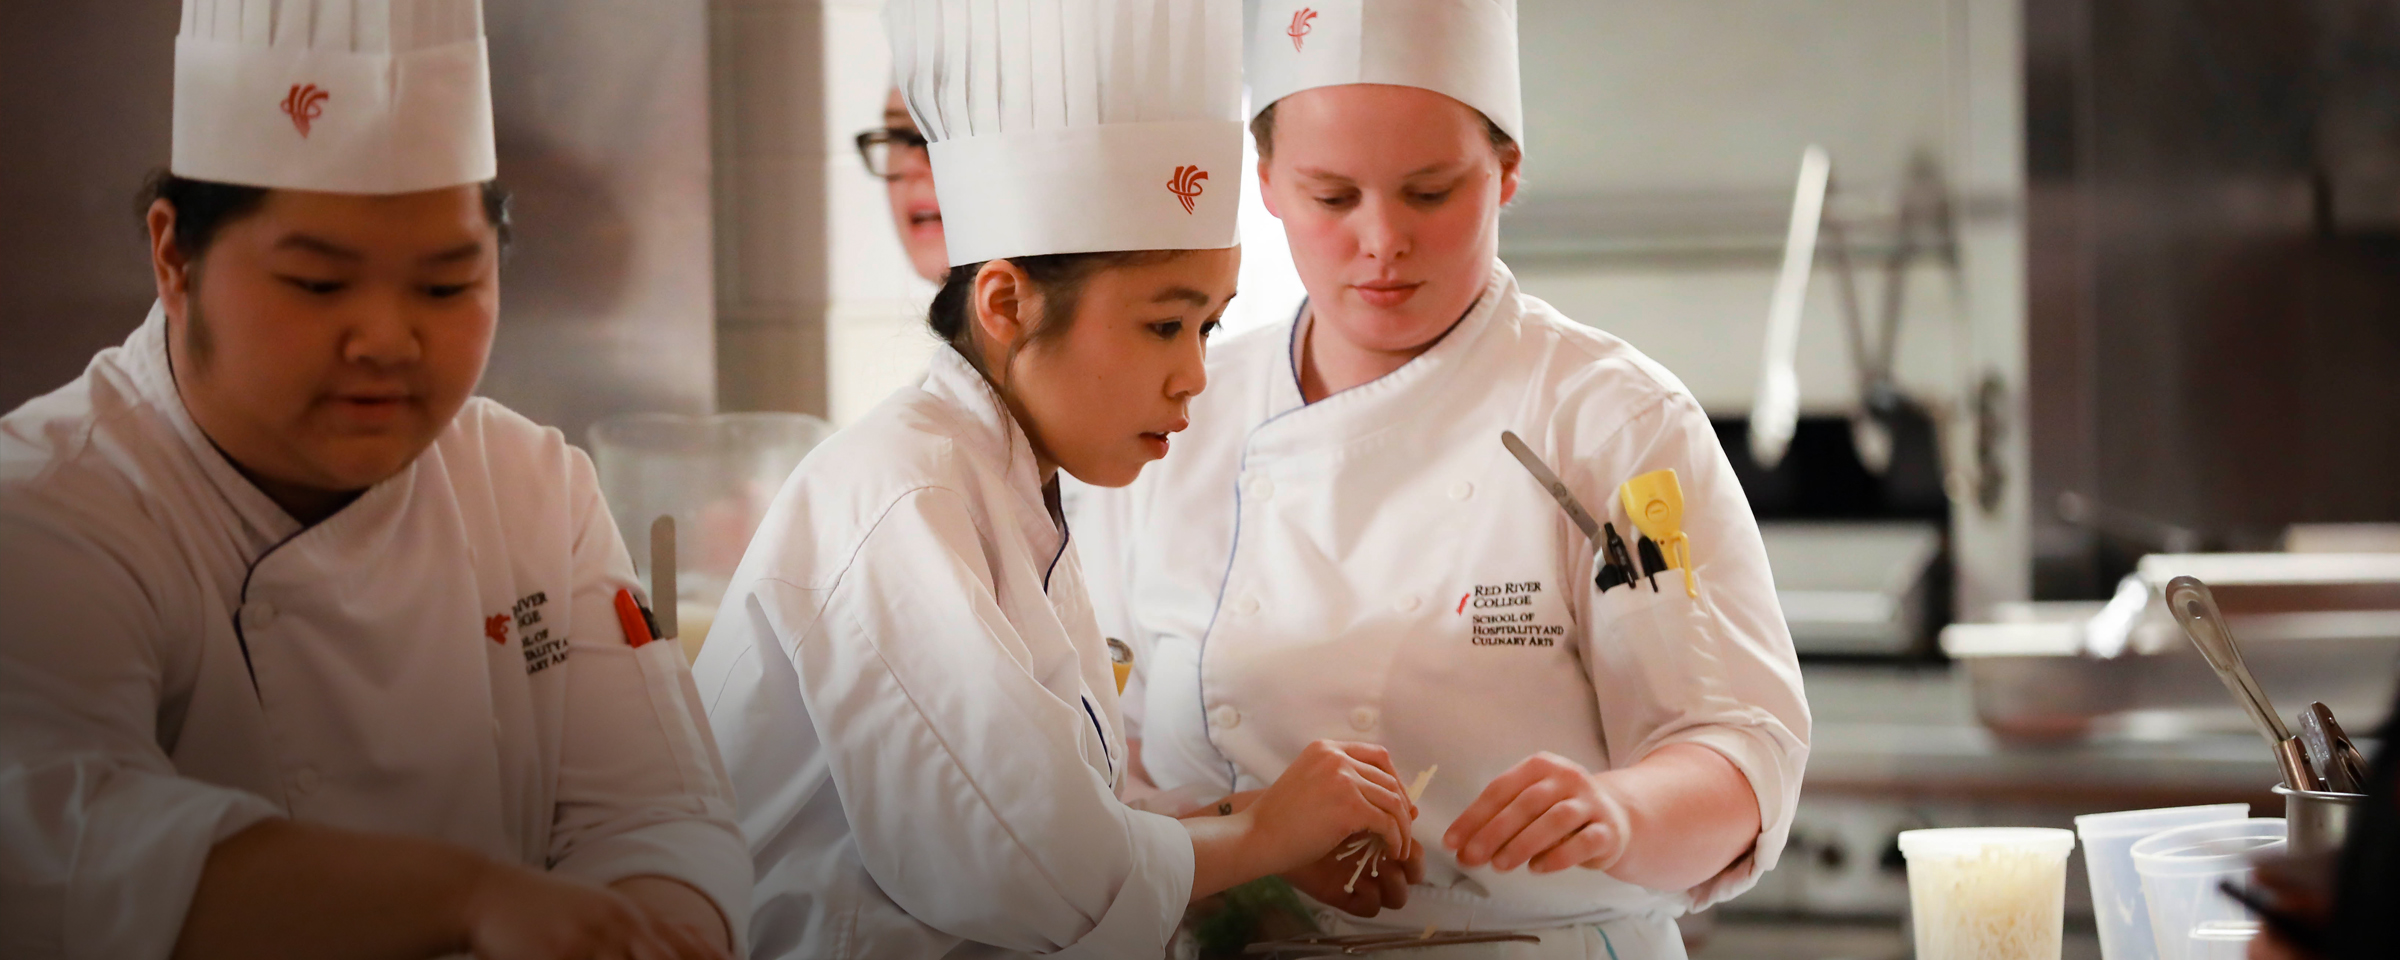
(1120, 657)
(1654, 502)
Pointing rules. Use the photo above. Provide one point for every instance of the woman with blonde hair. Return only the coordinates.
(1345, 545)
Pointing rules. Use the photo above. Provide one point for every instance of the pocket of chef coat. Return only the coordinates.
(677, 700)
(1637, 608)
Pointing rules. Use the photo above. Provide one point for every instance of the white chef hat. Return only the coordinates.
(344, 96)
(1463, 49)
(1076, 126)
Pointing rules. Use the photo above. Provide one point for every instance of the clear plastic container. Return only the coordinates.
(2181, 868)
(2223, 939)
(1987, 893)
(2117, 905)
(715, 475)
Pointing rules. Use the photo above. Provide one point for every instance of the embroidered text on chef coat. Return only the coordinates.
(1505, 615)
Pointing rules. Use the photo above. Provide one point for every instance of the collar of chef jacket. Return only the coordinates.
(1386, 403)
(994, 430)
(153, 374)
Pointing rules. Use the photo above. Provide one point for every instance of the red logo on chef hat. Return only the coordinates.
(1300, 25)
(304, 104)
(1186, 184)
(496, 627)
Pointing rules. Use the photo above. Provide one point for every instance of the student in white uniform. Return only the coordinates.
(308, 652)
(1342, 546)
(918, 712)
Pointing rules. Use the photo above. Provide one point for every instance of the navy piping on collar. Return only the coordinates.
(1058, 516)
(1105, 753)
(1291, 351)
(241, 637)
(1200, 671)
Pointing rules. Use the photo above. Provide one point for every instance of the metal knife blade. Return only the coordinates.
(1551, 482)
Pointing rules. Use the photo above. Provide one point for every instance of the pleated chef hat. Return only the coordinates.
(1076, 126)
(345, 96)
(1463, 49)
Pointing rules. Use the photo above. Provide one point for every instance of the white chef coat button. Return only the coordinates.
(258, 615)
(1261, 488)
(1407, 604)
(1362, 719)
(1246, 606)
(306, 780)
(1461, 490)
(1226, 717)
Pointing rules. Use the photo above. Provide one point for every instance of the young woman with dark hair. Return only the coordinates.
(917, 711)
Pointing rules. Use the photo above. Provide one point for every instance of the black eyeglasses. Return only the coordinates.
(875, 148)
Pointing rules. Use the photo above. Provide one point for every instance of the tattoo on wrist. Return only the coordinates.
(1224, 808)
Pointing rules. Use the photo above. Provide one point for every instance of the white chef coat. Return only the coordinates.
(440, 659)
(918, 711)
(1375, 566)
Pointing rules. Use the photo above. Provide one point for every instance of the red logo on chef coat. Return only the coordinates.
(1300, 25)
(496, 627)
(304, 104)
(1186, 184)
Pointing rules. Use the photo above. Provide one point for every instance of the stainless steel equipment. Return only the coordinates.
(2330, 752)
(1855, 587)
(2189, 601)
(2318, 819)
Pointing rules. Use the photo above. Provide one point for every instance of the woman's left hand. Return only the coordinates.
(1547, 811)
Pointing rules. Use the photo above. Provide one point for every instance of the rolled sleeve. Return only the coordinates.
(101, 841)
(1718, 671)
(641, 790)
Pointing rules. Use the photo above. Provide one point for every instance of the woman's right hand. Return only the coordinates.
(1332, 791)
(514, 913)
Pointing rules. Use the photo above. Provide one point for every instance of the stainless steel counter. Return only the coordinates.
(1910, 734)
(1898, 748)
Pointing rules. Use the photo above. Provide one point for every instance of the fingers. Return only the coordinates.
(1374, 755)
(1386, 812)
(1562, 820)
(1495, 797)
(1519, 813)
(690, 943)
(1596, 843)
(1391, 885)
(1413, 866)
(1370, 761)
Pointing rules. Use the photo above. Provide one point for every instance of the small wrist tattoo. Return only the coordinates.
(1224, 808)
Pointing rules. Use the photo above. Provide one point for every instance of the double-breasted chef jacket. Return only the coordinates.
(1376, 566)
(180, 660)
(918, 711)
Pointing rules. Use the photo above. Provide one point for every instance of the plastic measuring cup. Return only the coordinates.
(2108, 840)
(2223, 939)
(1987, 893)
(2181, 868)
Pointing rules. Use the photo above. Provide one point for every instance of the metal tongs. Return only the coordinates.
(2196, 610)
